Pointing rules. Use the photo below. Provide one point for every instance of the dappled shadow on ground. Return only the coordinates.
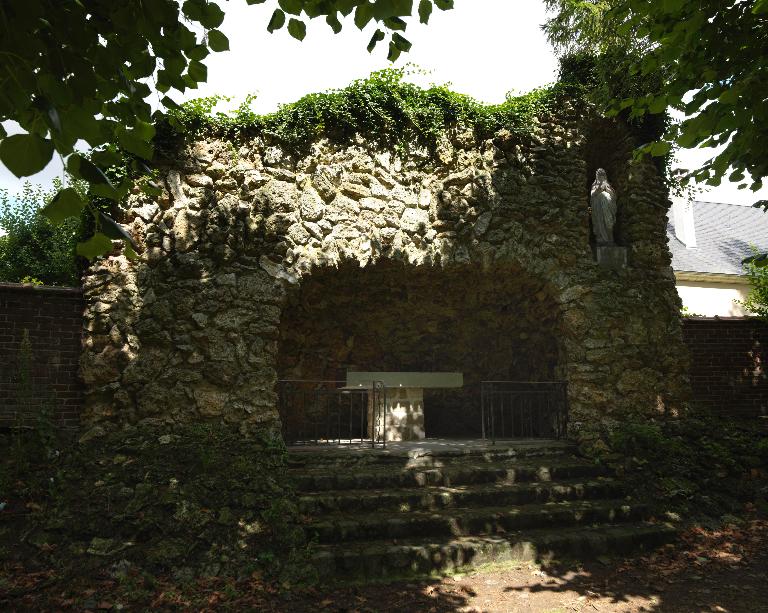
(716, 571)
(706, 570)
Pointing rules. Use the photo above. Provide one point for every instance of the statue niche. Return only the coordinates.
(602, 202)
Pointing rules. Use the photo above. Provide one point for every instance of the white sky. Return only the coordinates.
(484, 52)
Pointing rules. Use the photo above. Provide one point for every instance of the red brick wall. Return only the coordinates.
(728, 364)
(728, 356)
(53, 317)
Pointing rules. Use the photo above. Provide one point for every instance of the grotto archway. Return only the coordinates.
(501, 324)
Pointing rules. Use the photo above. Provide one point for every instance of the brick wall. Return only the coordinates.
(728, 364)
(728, 356)
(53, 318)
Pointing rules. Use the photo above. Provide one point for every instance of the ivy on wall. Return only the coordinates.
(384, 108)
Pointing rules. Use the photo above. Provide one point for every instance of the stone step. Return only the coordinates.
(441, 497)
(465, 473)
(341, 528)
(428, 557)
(425, 453)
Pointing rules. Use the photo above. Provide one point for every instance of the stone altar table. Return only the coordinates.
(403, 418)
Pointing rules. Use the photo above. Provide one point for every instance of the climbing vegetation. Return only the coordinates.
(384, 107)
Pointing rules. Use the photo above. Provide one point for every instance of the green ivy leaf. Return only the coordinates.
(25, 154)
(425, 10)
(95, 246)
(761, 6)
(66, 203)
(217, 41)
(277, 21)
(297, 28)
(444, 5)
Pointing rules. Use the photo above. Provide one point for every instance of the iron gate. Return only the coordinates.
(524, 409)
(331, 413)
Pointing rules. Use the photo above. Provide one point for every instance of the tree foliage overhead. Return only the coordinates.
(84, 70)
(712, 56)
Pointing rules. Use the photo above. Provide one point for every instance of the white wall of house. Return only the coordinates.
(712, 295)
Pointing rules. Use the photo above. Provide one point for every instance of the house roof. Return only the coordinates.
(724, 234)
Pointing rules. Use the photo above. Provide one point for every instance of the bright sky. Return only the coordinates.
(484, 52)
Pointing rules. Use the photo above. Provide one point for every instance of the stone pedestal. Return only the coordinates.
(612, 257)
(404, 415)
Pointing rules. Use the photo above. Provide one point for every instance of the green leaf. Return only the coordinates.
(212, 15)
(277, 21)
(135, 142)
(659, 148)
(363, 14)
(729, 96)
(378, 36)
(297, 28)
(82, 168)
(130, 252)
(444, 5)
(169, 103)
(393, 53)
(197, 71)
(425, 10)
(395, 23)
(66, 203)
(112, 229)
(198, 52)
(401, 43)
(95, 246)
(217, 41)
(25, 154)
(761, 6)
(291, 6)
(333, 21)
(3, 133)
(255, 1)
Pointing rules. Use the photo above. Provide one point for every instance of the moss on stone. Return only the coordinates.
(190, 499)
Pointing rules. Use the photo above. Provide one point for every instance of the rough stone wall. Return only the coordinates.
(52, 317)
(728, 365)
(192, 329)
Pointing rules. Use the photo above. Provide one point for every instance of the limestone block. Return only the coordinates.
(414, 220)
(311, 205)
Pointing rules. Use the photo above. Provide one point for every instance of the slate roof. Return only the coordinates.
(724, 233)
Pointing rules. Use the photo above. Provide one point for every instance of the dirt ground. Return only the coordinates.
(724, 570)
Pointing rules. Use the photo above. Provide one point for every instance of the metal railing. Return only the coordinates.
(523, 409)
(330, 413)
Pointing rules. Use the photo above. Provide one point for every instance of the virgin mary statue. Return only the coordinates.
(603, 203)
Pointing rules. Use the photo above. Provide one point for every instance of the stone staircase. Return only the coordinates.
(429, 509)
